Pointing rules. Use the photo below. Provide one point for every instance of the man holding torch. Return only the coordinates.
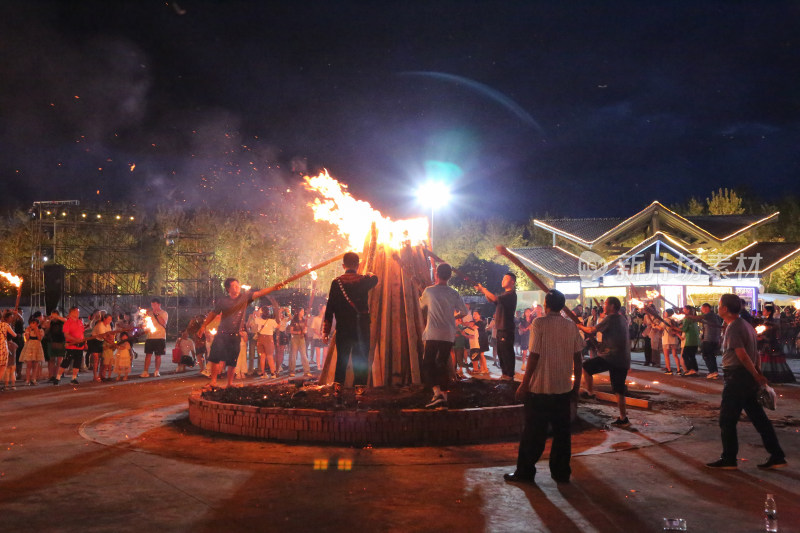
(156, 341)
(231, 308)
(506, 304)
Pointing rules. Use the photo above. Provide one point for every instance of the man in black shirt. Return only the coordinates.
(505, 305)
(348, 302)
(225, 348)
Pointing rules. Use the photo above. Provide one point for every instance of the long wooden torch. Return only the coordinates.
(300, 274)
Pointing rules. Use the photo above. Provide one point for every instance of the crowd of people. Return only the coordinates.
(558, 354)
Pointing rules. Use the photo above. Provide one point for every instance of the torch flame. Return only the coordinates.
(653, 294)
(245, 287)
(212, 331)
(12, 279)
(314, 275)
(148, 321)
(678, 317)
(353, 218)
(636, 302)
(761, 329)
(797, 304)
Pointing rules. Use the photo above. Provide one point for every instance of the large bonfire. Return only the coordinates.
(394, 250)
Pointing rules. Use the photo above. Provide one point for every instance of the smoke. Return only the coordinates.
(84, 119)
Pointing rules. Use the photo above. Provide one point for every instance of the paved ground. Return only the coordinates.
(122, 457)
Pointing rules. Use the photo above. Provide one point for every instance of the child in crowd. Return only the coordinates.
(32, 354)
(108, 356)
(123, 357)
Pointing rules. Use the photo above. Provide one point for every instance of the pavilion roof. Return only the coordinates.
(758, 258)
(693, 231)
(551, 261)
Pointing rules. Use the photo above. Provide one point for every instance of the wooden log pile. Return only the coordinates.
(395, 352)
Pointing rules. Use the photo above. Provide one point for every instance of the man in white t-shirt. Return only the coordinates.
(156, 341)
(441, 305)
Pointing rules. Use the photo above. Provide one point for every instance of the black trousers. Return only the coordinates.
(741, 392)
(709, 351)
(435, 362)
(541, 410)
(648, 351)
(689, 355)
(505, 352)
(352, 344)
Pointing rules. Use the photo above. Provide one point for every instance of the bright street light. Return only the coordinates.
(433, 194)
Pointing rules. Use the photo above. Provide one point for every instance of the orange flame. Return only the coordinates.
(761, 328)
(353, 218)
(653, 294)
(148, 321)
(636, 302)
(12, 279)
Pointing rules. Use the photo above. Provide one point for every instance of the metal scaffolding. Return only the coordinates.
(100, 249)
(187, 275)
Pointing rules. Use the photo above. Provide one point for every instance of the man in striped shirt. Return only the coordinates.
(552, 379)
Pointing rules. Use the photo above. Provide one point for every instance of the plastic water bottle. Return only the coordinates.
(770, 514)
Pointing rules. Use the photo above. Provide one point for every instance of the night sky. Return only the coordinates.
(566, 108)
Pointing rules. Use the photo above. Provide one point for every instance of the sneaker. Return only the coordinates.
(74, 381)
(668, 372)
(691, 372)
(506, 378)
(157, 374)
(772, 463)
(516, 478)
(723, 464)
(54, 381)
(437, 401)
(621, 423)
(713, 375)
(144, 374)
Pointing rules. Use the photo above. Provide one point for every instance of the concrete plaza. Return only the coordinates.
(123, 457)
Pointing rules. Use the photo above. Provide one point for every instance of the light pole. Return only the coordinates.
(433, 194)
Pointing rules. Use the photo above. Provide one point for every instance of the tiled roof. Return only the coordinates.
(550, 260)
(721, 226)
(587, 229)
(771, 255)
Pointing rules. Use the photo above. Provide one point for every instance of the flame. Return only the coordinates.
(797, 304)
(353, 218)
(653, 294)
(212, 331)
(245, 287)
(678, 317)
(148, 321)
(314, 275)
(12, 279)
(761, 329)
(638, 303)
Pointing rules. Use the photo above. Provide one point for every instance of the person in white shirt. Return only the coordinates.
(551, 382)
(156, 341)
(440, 305)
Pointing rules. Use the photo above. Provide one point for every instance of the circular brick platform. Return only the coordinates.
(409, 427)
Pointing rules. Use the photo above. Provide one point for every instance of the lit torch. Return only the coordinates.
(797, 304)
(15, 281)
(148, 321)
(761, 328)
(245, 288)
(637, 303)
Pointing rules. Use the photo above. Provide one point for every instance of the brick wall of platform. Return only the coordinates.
(412, 427)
